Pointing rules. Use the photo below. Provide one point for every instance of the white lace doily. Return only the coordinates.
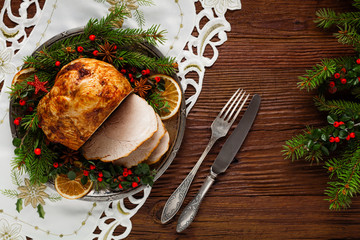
(67, 219)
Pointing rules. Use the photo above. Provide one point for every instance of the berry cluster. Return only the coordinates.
(345, 77)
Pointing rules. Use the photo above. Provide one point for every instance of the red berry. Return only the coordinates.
(138, 179)
(100, 174)
(358, 61)
(157, 79)
(336, 124)
(337, 139)
(125, 174)
(80, 49)
(37, 151)
(352, 135)
(129, 172)
(134, 184)
(17, 122)
(143, 72)
(343, 81)
(130, 75)
(30, 109)
(332, 90)
(19, 118)
(92, 37)
(86, 173)
(56, 165)
(95, 52)
(341, 123)
(147, 71)
(99, 179)
(123, 71)
(39, 126)
(343, 70)
(348, 137)
(121, 187)
(337, 75)
(22, 102)
(331, 139)
(132, 80)
(332, 84)
(92, 167)
(115, 47)
(57, 63)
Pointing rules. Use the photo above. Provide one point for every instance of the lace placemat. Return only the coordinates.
(66, 219)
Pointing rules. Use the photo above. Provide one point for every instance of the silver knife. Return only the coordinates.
(222, 162)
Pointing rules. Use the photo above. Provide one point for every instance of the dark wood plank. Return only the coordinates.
(262, 196)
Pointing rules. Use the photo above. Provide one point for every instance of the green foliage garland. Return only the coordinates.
(338, 83)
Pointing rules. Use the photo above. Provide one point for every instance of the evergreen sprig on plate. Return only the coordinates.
(336, 144)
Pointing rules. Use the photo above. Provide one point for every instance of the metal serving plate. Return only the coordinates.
(175, 127)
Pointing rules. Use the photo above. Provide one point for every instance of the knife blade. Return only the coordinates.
(222, 162)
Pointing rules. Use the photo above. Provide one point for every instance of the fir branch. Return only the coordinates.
(31, 122)
(315, 77)
(348, 35)
(147, 3)
(15, 177)
(9, 193)
(139, 17)
(294, 148)
(356, 4)
(347, 183)
(337, 106)
(327, 18)
(54, 197)
(162, 65)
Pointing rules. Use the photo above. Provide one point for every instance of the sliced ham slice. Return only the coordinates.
(130, 125)
(145, 149)
(160, 150)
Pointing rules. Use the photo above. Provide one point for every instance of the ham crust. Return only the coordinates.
(85, 93)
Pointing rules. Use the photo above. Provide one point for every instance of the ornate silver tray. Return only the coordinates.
(175, 127)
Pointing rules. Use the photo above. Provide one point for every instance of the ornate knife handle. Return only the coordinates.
(176, 199)
(190, 211)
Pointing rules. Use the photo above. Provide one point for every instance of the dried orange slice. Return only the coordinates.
(171, 94)
(72, 189)
(22, 75)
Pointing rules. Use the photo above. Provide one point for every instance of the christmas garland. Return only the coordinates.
(336, 144)
(123, 48)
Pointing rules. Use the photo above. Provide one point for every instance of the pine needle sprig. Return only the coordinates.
(106, 24)
(336, 106)
(347, 183)
(356, 4)
(327, 18)
(315, 77)
(348, 35)
(162, 65)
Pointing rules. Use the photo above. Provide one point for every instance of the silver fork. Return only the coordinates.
(219, 128)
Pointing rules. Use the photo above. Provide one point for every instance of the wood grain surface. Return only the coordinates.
(261, 196)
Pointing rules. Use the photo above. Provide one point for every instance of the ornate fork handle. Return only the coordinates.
(176, 199)
(190, 211)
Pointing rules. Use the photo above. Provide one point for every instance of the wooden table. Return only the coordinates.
(262, 196)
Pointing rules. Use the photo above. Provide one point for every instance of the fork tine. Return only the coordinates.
(238, 111)
(233, 100)
(233, 108)
(233, 105)
(228, 102)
